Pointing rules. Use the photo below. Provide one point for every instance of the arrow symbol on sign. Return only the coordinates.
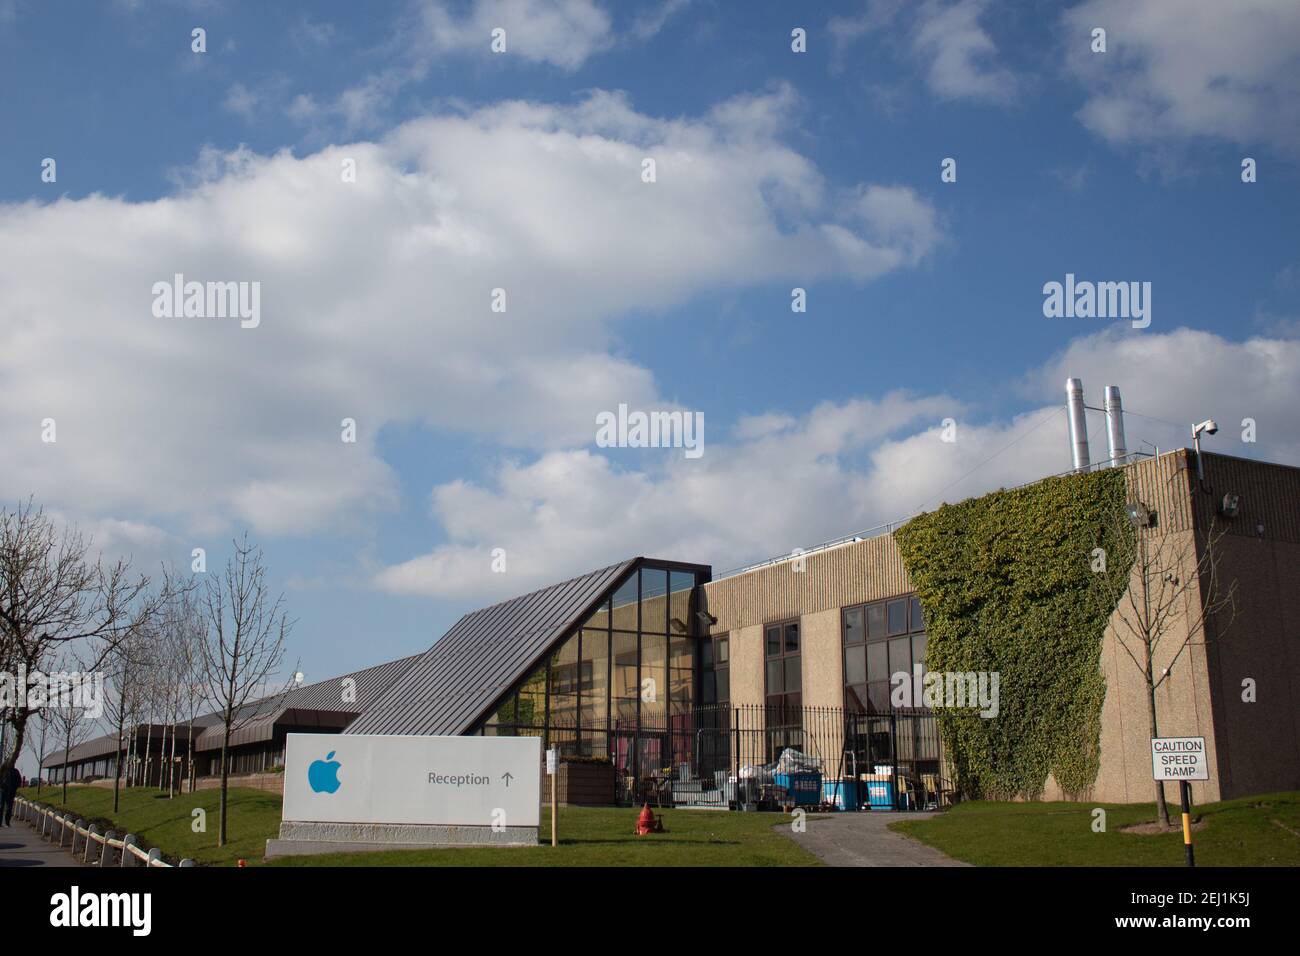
(507, 777)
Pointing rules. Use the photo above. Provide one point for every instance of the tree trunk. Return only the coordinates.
(67, 745)
(117, 771)
(171, 768)
(225, 781)
(1161, 806)
(19, 721)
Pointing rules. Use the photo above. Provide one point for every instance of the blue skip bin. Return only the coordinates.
(880, 794)
(804, 789)
(842, 794)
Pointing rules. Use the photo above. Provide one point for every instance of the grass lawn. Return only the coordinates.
(599, 836)
(253, 817)
(589, 836)
(1253, 831)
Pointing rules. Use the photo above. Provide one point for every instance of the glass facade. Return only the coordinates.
(617, 685)
(880, 640)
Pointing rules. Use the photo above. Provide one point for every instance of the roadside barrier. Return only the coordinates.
(96, 849)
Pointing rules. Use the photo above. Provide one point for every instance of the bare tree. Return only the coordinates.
(36, 742)
(186, 631)
(54, 596)
(1173, 592)
(68, 716)
(122, 704)
(243, 649)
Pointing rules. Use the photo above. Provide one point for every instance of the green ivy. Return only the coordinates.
(1007, 584)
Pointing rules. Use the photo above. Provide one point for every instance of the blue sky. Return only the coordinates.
(776, 169)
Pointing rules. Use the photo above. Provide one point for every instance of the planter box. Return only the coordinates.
(582, 784)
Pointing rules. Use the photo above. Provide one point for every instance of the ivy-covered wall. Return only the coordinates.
(1007, 584)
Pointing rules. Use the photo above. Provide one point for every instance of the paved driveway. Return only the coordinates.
(864, 839)
(20, 845)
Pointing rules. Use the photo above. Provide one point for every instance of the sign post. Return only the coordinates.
(551, 768)
(1182, 759)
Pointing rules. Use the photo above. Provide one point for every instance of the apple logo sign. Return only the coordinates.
(323, 775)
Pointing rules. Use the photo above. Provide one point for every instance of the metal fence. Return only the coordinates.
(767, 757)
(107, 846)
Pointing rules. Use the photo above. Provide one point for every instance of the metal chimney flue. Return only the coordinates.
(1115, 426)
(1078, 424)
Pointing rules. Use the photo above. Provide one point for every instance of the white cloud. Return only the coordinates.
(563, 33)
(648, 23)
(1175, 71)
(962, 56)
(572, 510)
(241, 101)
(1187, 376)
(375, 301)
(783, 482)
(946, 36)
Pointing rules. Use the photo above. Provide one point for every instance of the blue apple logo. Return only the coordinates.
(323, 775)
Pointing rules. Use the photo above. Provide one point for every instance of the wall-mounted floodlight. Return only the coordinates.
(1139, 515)
(1231, 506)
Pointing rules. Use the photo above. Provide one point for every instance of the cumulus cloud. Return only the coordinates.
(962, 56)
(563, 33)
(571, 510)
(781, 481)
(1199, 68)
(1187, 376)
(375, 300)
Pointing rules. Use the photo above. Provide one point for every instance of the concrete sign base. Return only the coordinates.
(303, 839)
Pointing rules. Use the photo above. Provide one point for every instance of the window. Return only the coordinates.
(784, 669)
(715, 670)
(625, 673)
(880, 640)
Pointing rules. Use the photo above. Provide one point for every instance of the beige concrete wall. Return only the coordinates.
(1182, 701)
(746, 649)
(1253, 747)
(851, 574)
(823, 662)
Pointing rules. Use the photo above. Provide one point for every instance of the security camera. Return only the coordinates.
(1209, 426)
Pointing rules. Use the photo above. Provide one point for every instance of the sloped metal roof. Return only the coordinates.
(482, 656)
(312, 705)
(106, 744)
(318, 705)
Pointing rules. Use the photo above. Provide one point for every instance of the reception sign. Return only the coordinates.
(452, 781)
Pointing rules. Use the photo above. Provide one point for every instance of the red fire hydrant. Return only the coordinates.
(647, 823)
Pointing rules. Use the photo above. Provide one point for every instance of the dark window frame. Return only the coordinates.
(911, 630)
